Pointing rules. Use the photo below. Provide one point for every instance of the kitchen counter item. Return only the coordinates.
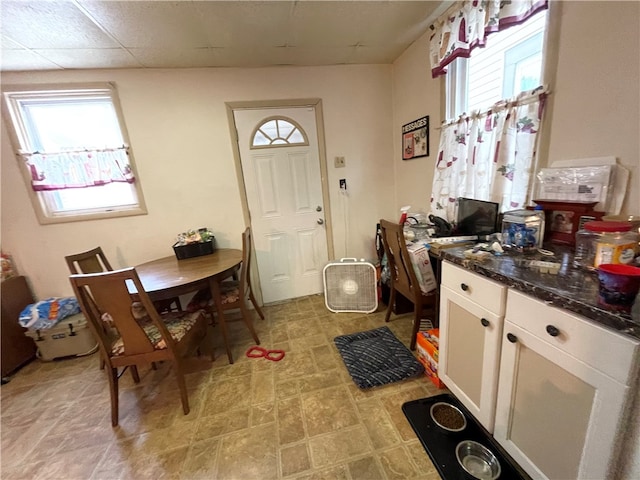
(618, 286)
(523, 230)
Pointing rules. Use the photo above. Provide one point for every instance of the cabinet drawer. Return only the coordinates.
(481, 290)
(609, 352)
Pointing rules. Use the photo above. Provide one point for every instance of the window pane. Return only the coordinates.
(72, 125)
(259, 139)
(112, 195)
(510, 63)
(296, 137)
(270, 129)
(284, 128)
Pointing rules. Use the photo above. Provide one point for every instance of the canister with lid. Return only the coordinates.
(605, 242)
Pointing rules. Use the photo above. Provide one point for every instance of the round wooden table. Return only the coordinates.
(168, 277)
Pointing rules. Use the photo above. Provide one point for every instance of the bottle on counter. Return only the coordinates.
(601, 242)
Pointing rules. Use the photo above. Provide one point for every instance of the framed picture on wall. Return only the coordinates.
(415, 139)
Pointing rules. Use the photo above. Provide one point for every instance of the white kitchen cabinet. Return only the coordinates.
(562, 390)
(471, 320)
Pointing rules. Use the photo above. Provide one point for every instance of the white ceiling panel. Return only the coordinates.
(149, 24)
(80, 58)
(46, 24)
(245, 24)
(174, 57)
(22, 59)
(77, 34)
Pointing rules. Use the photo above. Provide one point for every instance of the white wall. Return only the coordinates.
(415, 94)
(178, 128)
(595, 101)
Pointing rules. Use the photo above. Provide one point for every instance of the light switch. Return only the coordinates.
(339, 162)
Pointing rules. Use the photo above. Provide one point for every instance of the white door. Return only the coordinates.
(281, 170)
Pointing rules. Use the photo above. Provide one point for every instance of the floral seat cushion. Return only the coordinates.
(178, 324)
(229, 293)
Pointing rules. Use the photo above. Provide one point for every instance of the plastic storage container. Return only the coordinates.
(70, 337)
(523, 230)
(603, 242)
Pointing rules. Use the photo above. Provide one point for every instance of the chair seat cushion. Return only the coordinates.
(178, 324)
(229, 293)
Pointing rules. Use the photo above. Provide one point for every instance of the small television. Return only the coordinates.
(476, 217)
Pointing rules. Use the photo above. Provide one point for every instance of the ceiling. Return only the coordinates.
(83, 34)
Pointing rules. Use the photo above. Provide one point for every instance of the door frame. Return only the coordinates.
(316, 103)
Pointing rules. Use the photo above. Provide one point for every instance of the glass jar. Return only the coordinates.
(605, 242)
(523, 230)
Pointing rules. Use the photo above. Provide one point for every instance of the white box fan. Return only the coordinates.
(350, 286)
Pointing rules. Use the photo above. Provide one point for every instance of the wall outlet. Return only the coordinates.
(339, 162)
(343, 184)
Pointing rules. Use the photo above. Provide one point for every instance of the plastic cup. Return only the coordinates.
(618, 286)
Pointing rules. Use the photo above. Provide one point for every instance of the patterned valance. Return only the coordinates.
(61, 170)
(467, 24)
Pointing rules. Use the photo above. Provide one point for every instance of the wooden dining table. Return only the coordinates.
(169, 277)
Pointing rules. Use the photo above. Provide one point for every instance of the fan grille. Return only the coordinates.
(350, 287)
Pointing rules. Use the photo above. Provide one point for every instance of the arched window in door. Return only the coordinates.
(278, 132)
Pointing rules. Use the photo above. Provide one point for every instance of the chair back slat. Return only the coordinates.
(401, 269)
(91, 261)
(106, 300)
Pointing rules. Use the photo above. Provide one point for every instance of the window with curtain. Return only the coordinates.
(491, 54)
(73, 152)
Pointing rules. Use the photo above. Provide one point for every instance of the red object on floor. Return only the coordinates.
(260, 352)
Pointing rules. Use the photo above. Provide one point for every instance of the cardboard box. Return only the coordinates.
(422, 266)
(427, 351)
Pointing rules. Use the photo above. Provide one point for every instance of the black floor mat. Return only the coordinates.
(377, 357)
(441, 445)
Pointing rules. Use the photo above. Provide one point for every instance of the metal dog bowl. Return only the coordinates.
(477, 460)
(448, 417)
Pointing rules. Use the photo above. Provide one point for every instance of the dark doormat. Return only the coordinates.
(377, 357)
(441, 445)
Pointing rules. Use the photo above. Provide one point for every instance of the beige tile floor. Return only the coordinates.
(300, 418)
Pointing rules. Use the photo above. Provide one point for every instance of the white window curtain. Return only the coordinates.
(489, 155)
(467, 24)
(61, 170)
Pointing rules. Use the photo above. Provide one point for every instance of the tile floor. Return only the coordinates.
(300, 418)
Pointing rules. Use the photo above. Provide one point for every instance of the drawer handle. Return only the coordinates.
(553, 331)
(464, 287)
(484, 322)
(512, 338)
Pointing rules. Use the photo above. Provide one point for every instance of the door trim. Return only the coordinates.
(316, 103)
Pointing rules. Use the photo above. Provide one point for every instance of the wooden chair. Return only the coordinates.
(132, 333)
(403, 278)
(95, 261)
(232, 294)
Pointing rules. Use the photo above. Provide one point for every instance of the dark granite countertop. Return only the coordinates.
(572, 289)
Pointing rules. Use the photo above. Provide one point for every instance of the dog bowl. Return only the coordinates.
(448, 417)
(477, 460)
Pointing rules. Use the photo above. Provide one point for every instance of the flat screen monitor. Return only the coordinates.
(476, 217)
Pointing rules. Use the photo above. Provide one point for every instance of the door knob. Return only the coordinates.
(320, 221)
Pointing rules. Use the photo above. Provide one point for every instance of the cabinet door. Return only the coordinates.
(556, 415)
(469, 353)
